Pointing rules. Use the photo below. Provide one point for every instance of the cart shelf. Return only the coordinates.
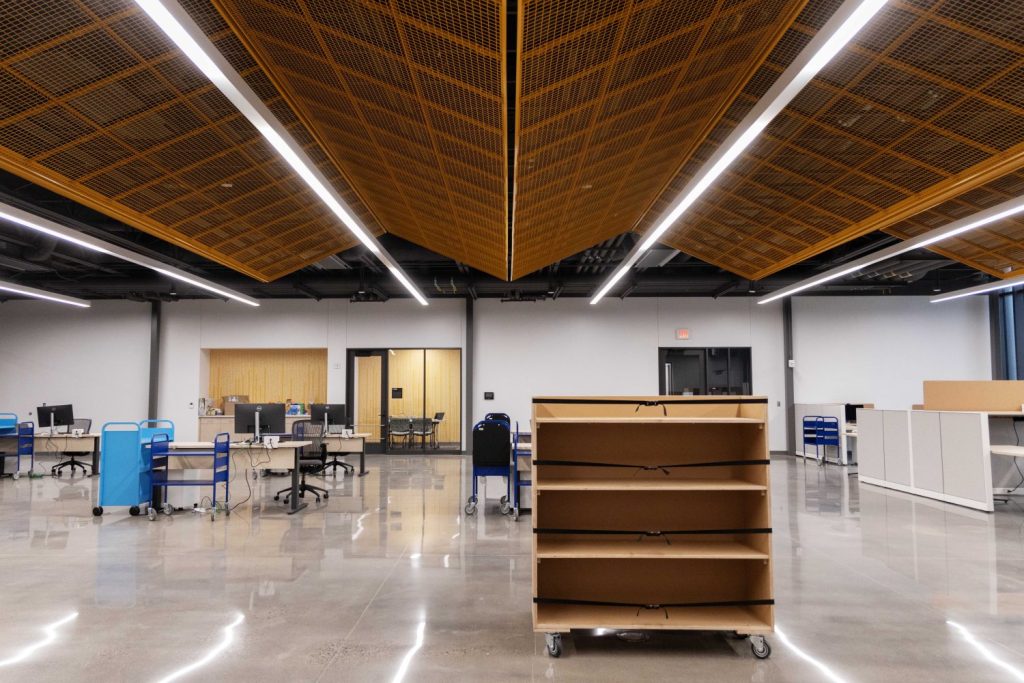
(648, 420)
(653, 548)
(632, 484)
(561, 618)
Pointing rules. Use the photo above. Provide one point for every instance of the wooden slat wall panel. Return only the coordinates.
(405, 370)
(927, 92)
(614, 95)
(269, 375)
(444, 391)
(407, 98)
(97, 105)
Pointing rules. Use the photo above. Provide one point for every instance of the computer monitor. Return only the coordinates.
(55, 416)
(851, 411)
(334, 412)
(270, 418)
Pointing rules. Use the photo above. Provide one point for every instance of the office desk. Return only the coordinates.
(66, 443)
(255, 457)
(356, 443)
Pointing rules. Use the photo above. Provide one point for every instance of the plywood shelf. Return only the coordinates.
(630, 547)
(645, 420)
(632, 484)
(562, 618)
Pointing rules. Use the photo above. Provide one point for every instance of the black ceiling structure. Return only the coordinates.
(32, 259)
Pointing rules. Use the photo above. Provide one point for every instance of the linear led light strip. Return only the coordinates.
(973, 222)
(1009, 283)
(847, 21)
(15, 288)
(174, 21)
(63, 232)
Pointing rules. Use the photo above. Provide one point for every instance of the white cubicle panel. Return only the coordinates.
(896, 437)
(870, 444)
(966, 456)
(940, 455)
(926, 437)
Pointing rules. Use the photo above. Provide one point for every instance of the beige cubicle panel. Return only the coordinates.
(870, 444)
(966, 462)
(896, 433)
(984, 396)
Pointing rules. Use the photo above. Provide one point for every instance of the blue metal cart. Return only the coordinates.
(821, 432)
(125, 471)
(22, 435)
(492, 452)
(520, 449)
(161, 453)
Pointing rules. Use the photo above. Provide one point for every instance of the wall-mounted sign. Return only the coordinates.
(396, 392)
(683, 333)
(488, 395)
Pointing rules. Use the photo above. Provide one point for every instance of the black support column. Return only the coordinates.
(467, 399)
(787, 350)
(156, 313)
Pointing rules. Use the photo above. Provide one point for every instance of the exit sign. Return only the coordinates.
(682, 333)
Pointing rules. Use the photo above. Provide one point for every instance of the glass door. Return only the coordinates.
(409, 400)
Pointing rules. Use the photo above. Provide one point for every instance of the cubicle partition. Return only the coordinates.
(938, 454)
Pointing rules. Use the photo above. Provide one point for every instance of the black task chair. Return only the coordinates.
(311, 458)
(333, 464)
(85, 424)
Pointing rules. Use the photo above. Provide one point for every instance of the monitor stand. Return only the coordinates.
(53, 428)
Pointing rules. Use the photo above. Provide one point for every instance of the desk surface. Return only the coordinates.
(46, 435)
(209, 445)
(1009, 451)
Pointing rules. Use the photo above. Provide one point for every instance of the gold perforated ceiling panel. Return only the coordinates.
(613, 96)
(407, 99)
(96, 104)
(918, 109)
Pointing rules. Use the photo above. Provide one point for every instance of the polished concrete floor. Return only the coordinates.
(389, 581)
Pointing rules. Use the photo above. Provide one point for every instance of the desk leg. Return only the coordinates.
(295, 506)
(362, 462)
(95, 457)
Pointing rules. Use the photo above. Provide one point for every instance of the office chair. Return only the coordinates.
(334, 463)
(311, 458)
(399, 426)
(85, 424)
(500, 417)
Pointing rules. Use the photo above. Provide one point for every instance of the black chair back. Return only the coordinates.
(492, 444)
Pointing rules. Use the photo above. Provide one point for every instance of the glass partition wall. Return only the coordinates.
(407, 400)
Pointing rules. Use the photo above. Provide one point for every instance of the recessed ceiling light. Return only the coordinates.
(227, 184)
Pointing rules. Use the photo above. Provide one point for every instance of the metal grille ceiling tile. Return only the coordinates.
(96, 104)
(407, 99)
(923, 105)
(613, 96)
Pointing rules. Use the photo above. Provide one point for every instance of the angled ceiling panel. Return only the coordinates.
(96, 104)
(407, 99)
(923, 106)
(614, 95)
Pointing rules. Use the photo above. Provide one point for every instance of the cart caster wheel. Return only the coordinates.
(97, 511)
(505, 508)
(503, 499)
(553, 641)
(168, 509)
(760, 647)
(327, 495)
(277, 497)
(470, 508)
(15, 476)
(151, 513)
(133, 511)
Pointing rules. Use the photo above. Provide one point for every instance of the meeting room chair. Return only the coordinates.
(399, 429)
(85, 424)
(422, 428)
(311, 459)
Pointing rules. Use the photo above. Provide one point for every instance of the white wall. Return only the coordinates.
(880, 349)
(337, 325)
(96, 359)
(568, 347)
